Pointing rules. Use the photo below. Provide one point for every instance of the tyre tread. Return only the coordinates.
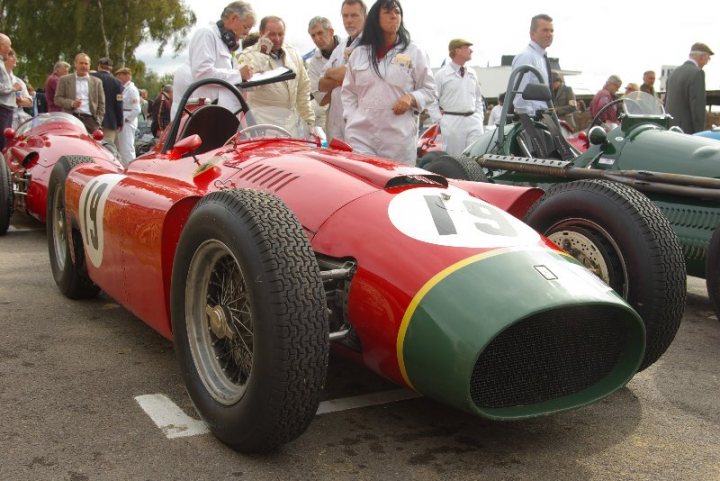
(667, 278)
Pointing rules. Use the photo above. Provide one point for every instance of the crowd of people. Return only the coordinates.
(367, 89)
(100, 99)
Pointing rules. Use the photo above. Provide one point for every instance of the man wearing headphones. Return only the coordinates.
(211, 56)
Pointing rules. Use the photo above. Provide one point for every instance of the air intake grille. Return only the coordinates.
(548, 356)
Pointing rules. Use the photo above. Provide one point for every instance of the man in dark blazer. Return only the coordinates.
(685, 99)
(82, 95)
(113, 120)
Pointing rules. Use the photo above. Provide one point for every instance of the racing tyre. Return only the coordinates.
(461, 168)
(620, 235)
(249, 319)
(712, 271)
(65, 245)
(6, 196)
(431, 155)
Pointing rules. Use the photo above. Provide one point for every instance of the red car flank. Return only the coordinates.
(256, 252)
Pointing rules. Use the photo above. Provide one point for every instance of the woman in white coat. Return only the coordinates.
(388, 82)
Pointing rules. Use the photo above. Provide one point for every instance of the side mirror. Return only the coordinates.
(597, 135)
(9, 133)
(188, 144)
(338, 144)
(98, 135)
(537, 92)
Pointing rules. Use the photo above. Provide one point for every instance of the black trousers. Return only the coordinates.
(6, 118)
(88, 121)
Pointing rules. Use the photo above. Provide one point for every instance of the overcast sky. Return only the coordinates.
(596, 38)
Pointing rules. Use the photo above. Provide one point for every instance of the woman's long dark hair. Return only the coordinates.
(373, 36)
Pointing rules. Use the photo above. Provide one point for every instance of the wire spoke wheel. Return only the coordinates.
(57, 225)
(220, 322)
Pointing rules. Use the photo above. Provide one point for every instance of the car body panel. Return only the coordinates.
(438, 272)
(644, 143)
(33, 150)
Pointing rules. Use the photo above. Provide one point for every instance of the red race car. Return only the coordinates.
(256, 253)
(31, 153)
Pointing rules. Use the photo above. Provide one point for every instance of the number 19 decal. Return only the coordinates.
(92, 211)
(454, 218)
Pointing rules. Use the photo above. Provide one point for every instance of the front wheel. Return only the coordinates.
(65, 246)
(461, 168)
(249, 319)
(619, 234)
(712, 271)
(6, 196)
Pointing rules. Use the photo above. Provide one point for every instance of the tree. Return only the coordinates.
(44, 32)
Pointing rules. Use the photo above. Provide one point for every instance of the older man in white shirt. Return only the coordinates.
(131, 111)
(459, 108)
(323, 35)
(211, 56)
(353, 14)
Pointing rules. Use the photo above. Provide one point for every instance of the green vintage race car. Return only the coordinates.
(678, 172)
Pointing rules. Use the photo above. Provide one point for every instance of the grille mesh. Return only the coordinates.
(548, 356)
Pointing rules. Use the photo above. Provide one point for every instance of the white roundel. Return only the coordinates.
(92, 213)
(452, 217)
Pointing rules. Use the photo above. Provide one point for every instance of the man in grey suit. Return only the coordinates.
(82, 95)
(685, 98)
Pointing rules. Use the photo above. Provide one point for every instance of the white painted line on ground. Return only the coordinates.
(364, 400)
(173, 422)
(25, 229)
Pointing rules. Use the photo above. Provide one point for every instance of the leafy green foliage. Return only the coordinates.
(44, 32)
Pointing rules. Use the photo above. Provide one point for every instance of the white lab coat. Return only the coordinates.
(208, 57)
(335, 118)
(286, 104)
(131, 111)
(371, 126)
(458, 94)
(315, 69)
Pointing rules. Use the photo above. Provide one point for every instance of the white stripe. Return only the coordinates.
(25, 229)
(173, 422)
(364, 400)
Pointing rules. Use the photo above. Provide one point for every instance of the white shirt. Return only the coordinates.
(335, 118)
(533, 55)
(315, 70)
(456, 93)
(82, 92)
(131, 103)
(495, 115)
(209, 57)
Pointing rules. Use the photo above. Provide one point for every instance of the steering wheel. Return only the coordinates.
(596, 119)
(258, 128)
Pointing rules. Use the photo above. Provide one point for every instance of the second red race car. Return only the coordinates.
(31, 153)
(257, 253)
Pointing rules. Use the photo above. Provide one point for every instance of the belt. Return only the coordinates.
(82, 114)
(461, 114)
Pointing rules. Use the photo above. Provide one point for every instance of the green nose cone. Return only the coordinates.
(517, 334)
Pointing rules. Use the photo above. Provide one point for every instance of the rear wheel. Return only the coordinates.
(431, 155)
(620, 235)
(67, 257)
(249, 319)
(6, 196)
(712, 271)
(456, 168)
